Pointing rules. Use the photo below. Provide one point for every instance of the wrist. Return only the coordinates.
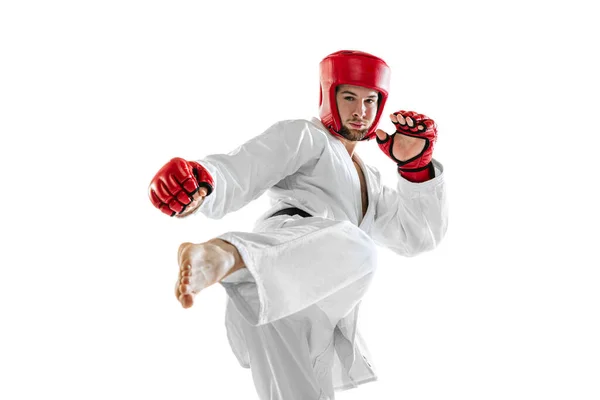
(418, 175)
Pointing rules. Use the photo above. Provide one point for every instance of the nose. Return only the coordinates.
(360, 109)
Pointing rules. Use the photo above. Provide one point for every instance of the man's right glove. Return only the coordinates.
(174, 185)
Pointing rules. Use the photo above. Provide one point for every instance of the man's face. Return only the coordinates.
(357, 106)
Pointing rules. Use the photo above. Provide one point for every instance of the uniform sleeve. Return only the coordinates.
(413, 218)
(247, 172)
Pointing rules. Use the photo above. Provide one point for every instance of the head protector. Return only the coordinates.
(349, 67)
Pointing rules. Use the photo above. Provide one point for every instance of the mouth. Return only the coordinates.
(356, 125)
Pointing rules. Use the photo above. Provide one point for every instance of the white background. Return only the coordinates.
(96, 96)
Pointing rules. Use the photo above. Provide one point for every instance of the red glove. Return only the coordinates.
(418, 168)
(173, 186)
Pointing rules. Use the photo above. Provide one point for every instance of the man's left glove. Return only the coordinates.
(416, 168)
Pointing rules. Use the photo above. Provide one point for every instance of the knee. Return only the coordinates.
(360, 244)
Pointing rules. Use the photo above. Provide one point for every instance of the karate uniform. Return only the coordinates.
(292, 312)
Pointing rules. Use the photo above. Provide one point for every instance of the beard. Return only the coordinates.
(354, 135)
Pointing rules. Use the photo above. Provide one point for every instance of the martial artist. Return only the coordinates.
(295, 283)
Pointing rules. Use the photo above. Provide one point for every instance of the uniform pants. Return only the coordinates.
(302, 276)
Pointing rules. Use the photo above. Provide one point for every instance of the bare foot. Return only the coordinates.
(202, 265)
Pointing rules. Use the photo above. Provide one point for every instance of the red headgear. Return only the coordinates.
(349, 67)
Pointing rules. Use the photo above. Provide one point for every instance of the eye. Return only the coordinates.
(349, 98)
(370, 101)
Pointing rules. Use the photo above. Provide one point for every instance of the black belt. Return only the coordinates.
(292, 211)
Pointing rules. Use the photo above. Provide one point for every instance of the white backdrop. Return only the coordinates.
(96, 96)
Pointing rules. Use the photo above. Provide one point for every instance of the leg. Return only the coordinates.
(302, 276)
(291, 358)
(202, 265)
(294, 262)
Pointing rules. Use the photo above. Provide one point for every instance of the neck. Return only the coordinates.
(350, 145)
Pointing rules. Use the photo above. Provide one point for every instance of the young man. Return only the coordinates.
(295, 283)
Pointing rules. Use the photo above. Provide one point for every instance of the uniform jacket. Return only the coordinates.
(298, 163)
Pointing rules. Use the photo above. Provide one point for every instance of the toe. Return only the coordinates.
(186, 300)
(181, 252)
(185, 289)
(185, 267)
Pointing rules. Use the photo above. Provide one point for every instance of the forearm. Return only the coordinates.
(413, 218)
(246, 173)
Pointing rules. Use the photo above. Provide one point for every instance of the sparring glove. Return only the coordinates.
(174, 185)
(418, 168)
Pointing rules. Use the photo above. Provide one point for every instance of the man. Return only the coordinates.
(295, 283)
